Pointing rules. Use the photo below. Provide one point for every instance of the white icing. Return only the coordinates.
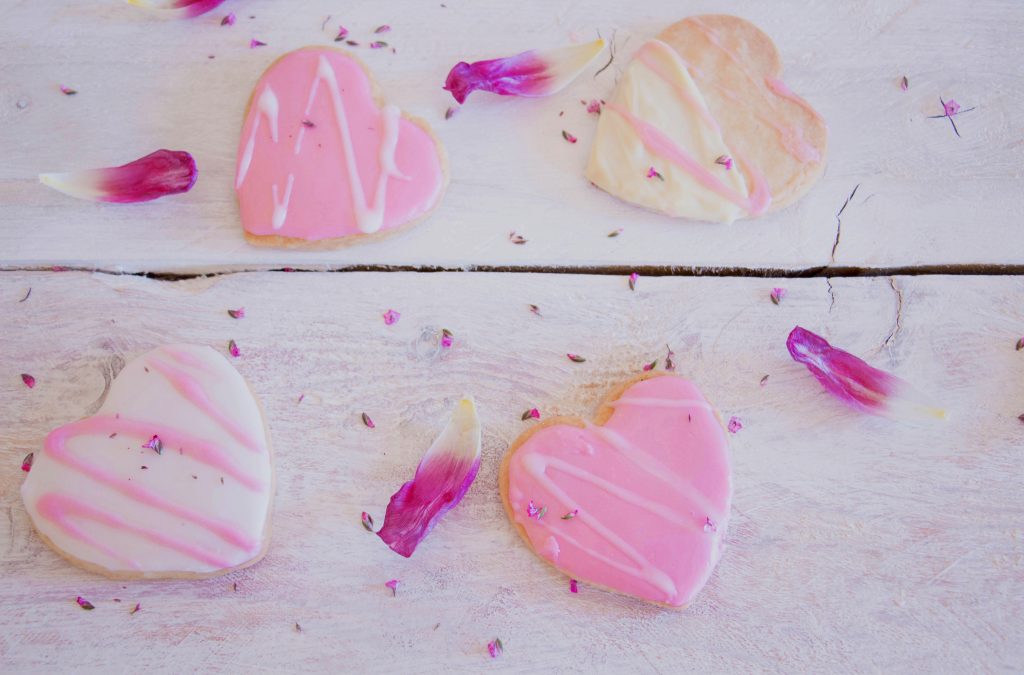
(143, 394)
(268, 107)
(281, 207)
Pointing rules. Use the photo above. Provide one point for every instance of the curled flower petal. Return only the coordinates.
(574, 586)
(154, 444)
(368, 422)
(633, 277)
(654, 173)
(531, 73)
(532, 413)
(735, 424)
(724, 160)
(777, 295)
(254, 43)
(447, 338)
(29, 381)
(594, 107)
(393, 585)
(67, 91)
(367, 520)
(228, 20)
(83, 603)
(26, 464)
(233, 349)
(575, 358)
(857, 384)
(178, 9)
(495, 648)
(158, 174)
(950, 107)
(442, 479)
(391, 317)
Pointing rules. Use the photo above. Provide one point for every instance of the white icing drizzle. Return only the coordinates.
(657, 469)
(537, 465)
(281, 207)
(369, 217)
(298, 139)
(267, 106)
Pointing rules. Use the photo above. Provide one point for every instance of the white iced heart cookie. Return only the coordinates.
(700, 126)
(172, 477)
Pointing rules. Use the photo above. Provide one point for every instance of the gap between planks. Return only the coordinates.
(824, 271)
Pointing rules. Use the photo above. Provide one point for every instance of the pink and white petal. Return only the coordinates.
(856, 383)
(158, 174)
(442, 479)
(531, 73)
(178, 9)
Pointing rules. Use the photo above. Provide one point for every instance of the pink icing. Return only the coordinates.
(660, 144)
(56, 448)
(311, 169)
(645, 484)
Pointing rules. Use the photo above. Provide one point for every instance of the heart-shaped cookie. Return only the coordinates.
(172, 477)
(701, 126)
(323, 162)
(637, 502)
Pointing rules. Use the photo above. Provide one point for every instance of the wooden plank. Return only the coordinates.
(858, 543)
(926, 196)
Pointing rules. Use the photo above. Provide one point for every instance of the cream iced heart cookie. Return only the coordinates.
(701, 126)
(636, 502)
(172, 477)
(322, 162)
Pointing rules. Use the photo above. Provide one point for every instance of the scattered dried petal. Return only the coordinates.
(233, 349)
(368, 422)
(535, 309)
(594, 107)
(178, 9)
(342, 34)
(950, 107)
(516, 238)
(26, 464)
(447, 338)
(575, 358)
(904, 83)
(67, 91)
(136, 608)
(393, 585)
(254, 43)
(351, 43)
(382, 29)
(442, 479)
(228, 20)
(632, 281)
(651, 366)
(735, 424)
(857, 384)
(669, 363)
(531, 73)
(653, 173)
(237, 313)
(615, 233)
(724, 160)
(571, 514)
(710, 525)
(532, 413)
(158, 174)
(29, 381)
(532, 511)
(391, 317)
(378, 44)
(450, 112)
(569, 137)
(308, 124)
(495, 648)
(764, 380)
(367, 520)
(1020, 346)
(83, 603)
(298, 628)
(154, 444)
(777, 295)
(574, 586)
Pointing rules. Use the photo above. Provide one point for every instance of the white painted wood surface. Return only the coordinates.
(926, 197)
(858, 545)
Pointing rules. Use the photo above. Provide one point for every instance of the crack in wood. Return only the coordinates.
(898, 324)
(839, 222)
(831, 294)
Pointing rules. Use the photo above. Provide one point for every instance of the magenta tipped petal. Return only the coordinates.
(442, 479)
(854, 382)
(531, 73)
(162, 173)
(179, 9)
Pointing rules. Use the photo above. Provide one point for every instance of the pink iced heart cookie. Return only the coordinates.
(636, 502)
(172, 477)
(323, 162)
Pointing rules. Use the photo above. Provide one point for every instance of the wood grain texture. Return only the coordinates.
(858, 544)
(926, 197)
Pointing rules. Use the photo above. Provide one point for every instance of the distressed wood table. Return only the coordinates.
(857, 544)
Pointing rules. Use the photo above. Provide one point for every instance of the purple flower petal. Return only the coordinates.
(391, 317)
(855, 383)
(178, 9)
(735, 424)
(531, 73)
(158, 174)
(442, 479)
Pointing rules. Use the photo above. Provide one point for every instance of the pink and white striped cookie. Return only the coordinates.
(172, 477)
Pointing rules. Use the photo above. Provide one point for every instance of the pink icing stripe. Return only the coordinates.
(56, 447)
(652, 64)
(60, 509)
(191, 389)
(792, 138)
(660, 144)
